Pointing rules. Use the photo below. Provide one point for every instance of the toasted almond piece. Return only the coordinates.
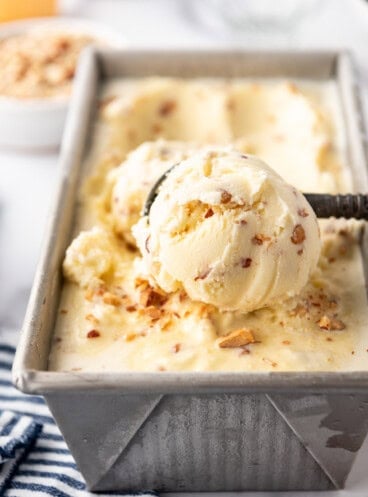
(327, 323)
(176, 348)
(337, 324)
(89, 294)
(237, 338)
(152, 297)
(131, 308)
(92, 318)
(303, 213)
(153, 313)
(259, 238)
(167, 107)
(111, 299)
(225, 197)
(93, 334)
(209, 213)
(141, 284)
(298, 235)
(299, 310)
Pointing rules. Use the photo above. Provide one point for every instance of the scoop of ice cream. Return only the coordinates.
(230, 231)
(90, 257)
(135, 177)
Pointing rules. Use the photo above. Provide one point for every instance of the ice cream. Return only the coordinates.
(229, 231)
(135, 176)
(114, 317)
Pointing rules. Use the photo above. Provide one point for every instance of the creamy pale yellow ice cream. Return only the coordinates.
(229, 231)
(114, 317)
(133, 180)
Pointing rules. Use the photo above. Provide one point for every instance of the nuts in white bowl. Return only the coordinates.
(38, 58)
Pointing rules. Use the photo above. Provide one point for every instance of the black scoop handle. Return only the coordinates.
(347, 206)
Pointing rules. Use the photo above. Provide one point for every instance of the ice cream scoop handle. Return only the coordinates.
(347, 206)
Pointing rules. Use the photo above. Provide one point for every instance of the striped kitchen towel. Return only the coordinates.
(34, 458)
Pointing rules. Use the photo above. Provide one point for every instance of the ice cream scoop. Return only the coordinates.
(228, 230)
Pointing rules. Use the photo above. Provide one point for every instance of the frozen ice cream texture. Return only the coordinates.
(230, 232)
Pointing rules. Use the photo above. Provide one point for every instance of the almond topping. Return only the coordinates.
(176, 348)
(131, 308)
(150, 297)
(237, 338)
(156, 128)
(141, 284)
(131, 247)
(225, 197)
(258, 239)
(245, 262)
(209, 213)
(299, 310)
(111, 299)
(130, 337)
(93, 334)
(326, 323)
(153, 313)
(303, 213)
(92, 318)
(298, 235)
(167, 108)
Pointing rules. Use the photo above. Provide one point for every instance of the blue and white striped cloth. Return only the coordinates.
(34, 458)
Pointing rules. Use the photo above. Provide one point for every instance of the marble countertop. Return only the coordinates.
(27, 182)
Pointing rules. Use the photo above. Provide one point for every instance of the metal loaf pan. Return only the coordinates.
(193, 431)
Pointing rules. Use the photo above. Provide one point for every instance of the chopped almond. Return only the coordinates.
(156, 128)
(131, 308)
(130, 337)
(131, 247)
(298, 235)
(93, 334)
(111, 299)
(209, 213)
(245, 262)
(299, 310)
(141, 284)
(167, 108)
(258, 239)
(303, 213)
(89, 294)
(150, 297)
(237, 338)
(225, 197)
(92, 318)
(326, 323)
(153, 313)
(176, 348)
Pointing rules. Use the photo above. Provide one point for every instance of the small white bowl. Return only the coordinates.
(36, 124)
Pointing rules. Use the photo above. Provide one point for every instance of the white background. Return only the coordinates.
(27, 181)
